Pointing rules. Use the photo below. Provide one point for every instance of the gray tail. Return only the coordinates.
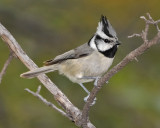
(38, 71)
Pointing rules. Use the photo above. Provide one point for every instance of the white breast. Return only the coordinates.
(98, 64)
(93, 65)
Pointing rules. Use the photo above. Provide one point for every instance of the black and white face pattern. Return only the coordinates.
(105, 38)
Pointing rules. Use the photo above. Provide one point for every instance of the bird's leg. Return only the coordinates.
(95, 78)
(86, 90)
(92, 77)
(96, 81)
(89, 77)
(86, 98)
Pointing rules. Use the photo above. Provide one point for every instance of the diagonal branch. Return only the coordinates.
(130, 57)
(36, 94)
(72, 111)
(8, 61)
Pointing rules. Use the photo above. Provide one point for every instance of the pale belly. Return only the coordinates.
(79, 70)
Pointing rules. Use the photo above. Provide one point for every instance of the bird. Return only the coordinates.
(87, 62)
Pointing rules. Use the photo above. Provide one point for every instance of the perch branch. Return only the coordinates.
(72, 111)
(8, 61)
(37, 94)
(131, 56)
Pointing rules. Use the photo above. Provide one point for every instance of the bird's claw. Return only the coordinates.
(86, 98)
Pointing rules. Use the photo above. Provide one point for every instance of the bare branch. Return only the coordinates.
(144, 33)
(71, 110)
(36, 94)
(151, 21)
(8, 61)
(134, 35)
(131, 56)
(136, 59)
(38, 89)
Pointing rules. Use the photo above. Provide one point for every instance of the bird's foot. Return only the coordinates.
(86, 98)
(96, 81)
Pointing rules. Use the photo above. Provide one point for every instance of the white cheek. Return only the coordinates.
(92, 44)
(104, 46)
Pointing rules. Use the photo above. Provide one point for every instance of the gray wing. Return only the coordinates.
(81, 51)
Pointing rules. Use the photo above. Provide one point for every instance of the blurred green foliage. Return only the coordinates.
(46, 28)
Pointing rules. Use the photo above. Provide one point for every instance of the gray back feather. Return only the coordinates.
(78, 52)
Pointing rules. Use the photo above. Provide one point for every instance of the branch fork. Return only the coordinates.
(37, 94)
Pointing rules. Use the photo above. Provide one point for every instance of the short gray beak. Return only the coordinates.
(118, 43)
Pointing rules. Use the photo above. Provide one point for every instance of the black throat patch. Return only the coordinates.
(110, 53)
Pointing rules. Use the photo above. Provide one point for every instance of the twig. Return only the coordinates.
(151, 21)
(8, 61)
(135, 35)
(131, 56)
(36, 94)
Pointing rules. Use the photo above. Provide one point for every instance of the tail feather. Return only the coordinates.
(38, 71)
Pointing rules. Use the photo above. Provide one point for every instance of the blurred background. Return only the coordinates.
(46, 28)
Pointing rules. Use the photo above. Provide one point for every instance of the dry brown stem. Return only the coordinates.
(72, 112)
(6, 64)
(37, 94)
(131, 56)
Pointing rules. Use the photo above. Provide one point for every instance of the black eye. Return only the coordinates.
(106, 40)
